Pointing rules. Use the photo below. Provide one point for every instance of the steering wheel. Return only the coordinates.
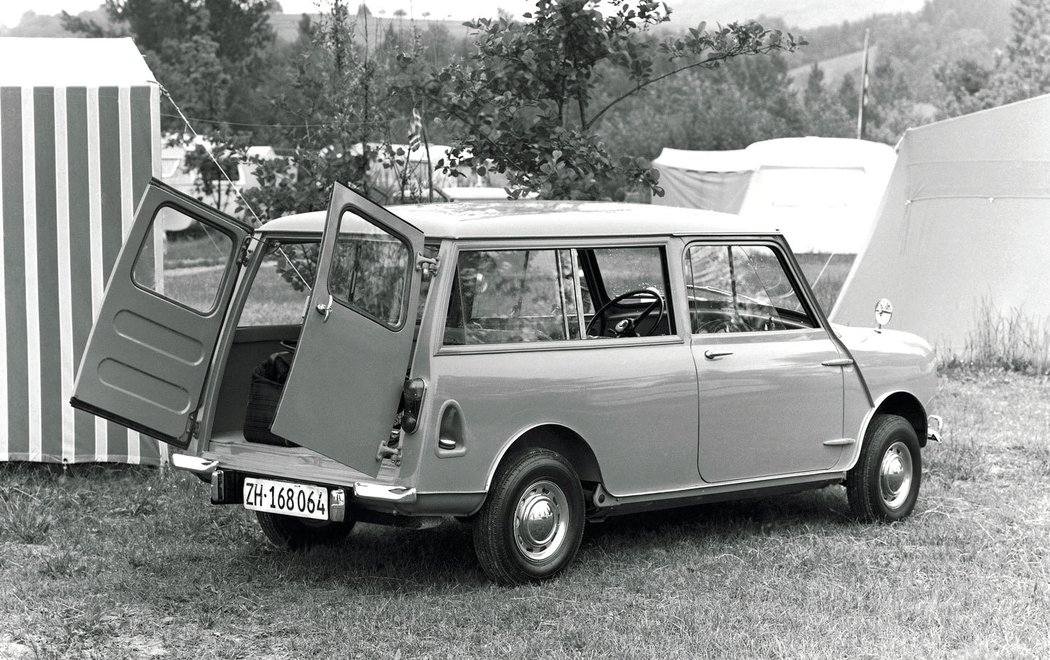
(627, 327)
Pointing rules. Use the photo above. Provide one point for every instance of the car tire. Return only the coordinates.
(884, 484)
(531, 524)
(291, 533)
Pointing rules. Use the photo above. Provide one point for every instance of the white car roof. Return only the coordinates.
(544, 219)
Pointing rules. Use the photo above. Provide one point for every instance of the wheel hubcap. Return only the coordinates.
(539, 521)
(895, 475)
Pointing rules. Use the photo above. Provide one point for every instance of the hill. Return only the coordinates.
(797, 13)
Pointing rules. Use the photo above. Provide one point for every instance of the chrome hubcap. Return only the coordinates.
(895, 475)
(539, 521)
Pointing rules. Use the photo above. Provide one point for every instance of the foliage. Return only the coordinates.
(1021, 73)
(825, 115)
(216, 163)
(1010, 340)
(524, 101)
(210, 55)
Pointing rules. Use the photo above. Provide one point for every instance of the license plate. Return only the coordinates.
(286, 498)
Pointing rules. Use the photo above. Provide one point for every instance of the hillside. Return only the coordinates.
(797, 13)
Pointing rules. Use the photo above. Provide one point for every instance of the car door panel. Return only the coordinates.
(149, 351)
(767, 404)
(345, 382)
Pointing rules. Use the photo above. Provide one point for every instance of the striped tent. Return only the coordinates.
(79, 140)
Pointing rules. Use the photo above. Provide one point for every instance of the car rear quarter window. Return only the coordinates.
(507, 296)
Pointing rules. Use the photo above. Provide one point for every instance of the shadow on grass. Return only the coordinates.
(732, 520)
(382, 559)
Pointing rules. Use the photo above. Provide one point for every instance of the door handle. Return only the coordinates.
(325, 309)
(842, 362)
(714, 355)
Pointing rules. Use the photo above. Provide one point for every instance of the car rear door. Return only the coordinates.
(345, 383)
(148, 354)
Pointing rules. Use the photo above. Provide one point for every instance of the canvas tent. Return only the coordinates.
(965, 222)
(79, 140)
(821, 192)
(175, 173)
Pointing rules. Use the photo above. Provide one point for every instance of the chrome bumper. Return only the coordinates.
(382, 493)
(194, 464)
(364, 490)
(934, 424)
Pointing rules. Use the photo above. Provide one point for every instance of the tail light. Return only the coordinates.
(412, 394)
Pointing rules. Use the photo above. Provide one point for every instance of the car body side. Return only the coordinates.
(632, 445)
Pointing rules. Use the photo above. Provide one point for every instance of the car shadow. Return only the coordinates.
(733, 519)
(441, 558)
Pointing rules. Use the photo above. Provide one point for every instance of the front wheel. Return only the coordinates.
(531, 525)
(291, 533)
(884, 484)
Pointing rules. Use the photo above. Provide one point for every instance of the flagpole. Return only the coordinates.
(863, 88)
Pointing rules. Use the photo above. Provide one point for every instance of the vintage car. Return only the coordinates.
(524, 367)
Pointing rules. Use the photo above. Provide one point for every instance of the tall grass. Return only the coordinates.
(1009, 340)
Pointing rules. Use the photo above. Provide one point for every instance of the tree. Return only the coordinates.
(525, 101)
(210, 55)
(1022, 73)
(1027, 71)
(824, 115)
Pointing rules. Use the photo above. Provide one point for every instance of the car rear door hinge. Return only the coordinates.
(193, 427)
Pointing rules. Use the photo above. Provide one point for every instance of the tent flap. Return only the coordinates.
(963, 233)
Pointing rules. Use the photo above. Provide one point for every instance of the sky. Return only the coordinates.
(805, 13)
(11, 10)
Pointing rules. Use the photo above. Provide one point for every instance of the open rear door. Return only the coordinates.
(349, 369)
(148, 354)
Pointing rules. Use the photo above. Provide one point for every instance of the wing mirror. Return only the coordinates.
(883, 313)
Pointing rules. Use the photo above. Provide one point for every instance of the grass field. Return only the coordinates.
(129, 563)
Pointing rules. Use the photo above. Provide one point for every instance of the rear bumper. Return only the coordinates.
(366, 491)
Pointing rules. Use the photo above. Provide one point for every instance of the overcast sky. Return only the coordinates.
(11, 10)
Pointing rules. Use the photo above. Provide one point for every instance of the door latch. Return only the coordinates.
(324, 309)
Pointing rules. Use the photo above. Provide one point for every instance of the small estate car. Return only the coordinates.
(523, 366)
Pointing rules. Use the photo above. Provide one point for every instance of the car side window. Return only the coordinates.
(741, 288)
(280, 293)
(509, 296)
(631, 285)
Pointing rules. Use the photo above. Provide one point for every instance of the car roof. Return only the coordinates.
(545, 219)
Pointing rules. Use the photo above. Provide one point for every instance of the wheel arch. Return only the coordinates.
(903, 404)
(557, 438)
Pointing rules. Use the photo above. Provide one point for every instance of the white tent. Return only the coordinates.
(965, 223)
(821, 192)
(176, 174)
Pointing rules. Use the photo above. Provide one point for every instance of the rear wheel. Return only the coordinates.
(291, 533)
(531, 525)
(884, 484)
